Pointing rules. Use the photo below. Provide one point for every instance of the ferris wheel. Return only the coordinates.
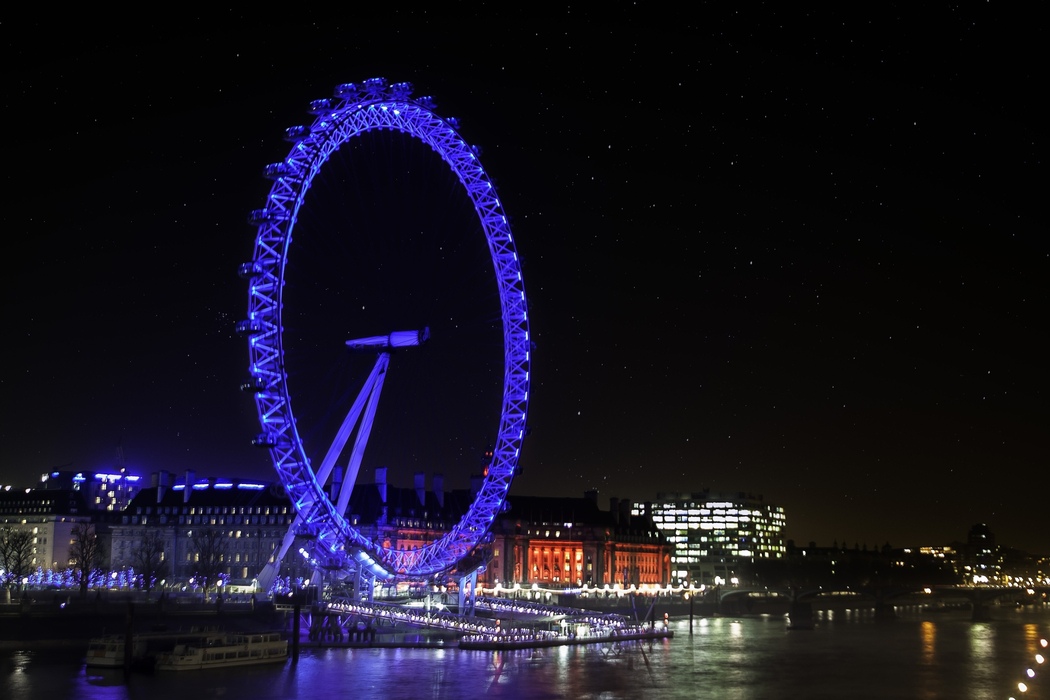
(320, 502)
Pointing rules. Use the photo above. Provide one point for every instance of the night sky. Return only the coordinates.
(803, 255)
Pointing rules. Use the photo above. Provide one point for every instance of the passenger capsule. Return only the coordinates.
(375, 87)
(263, 216)
(247, 327)
(253, 385)
(275, 171)
(266, 440)
(401, 91)
(248, 270)
(320, 106)
(348, 91)
(294, 134)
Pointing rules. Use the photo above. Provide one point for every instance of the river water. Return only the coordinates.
(847, 655)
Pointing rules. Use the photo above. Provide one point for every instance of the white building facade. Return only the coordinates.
(51, 516)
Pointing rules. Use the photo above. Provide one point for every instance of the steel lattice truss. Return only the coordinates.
(355, 110)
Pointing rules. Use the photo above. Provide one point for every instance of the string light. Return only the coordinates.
(588, 627)
(1022, 686)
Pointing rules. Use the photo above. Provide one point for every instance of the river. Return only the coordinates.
(847, 655)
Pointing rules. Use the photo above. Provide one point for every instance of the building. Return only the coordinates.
(105, 491)
(980, 557)
(406, 518)
(253, 518)
(711, 534)
(570, 542)
(51, 515)
(563, 542)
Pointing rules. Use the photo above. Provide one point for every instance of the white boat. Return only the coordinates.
(108, 652)
(225, 651)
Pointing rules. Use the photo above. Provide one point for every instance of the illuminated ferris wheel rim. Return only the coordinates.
(355, 110)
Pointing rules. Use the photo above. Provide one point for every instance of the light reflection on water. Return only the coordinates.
(926, 676)
(982, 663)
(929, 642)
(851, 656)
(1031, 638)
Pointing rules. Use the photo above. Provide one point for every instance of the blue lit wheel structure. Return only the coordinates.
(355, 110)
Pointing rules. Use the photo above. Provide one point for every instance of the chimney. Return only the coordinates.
(614, 508)
(162, 485)
(381, 483)
(191, 476)
(421, 488)
(476, 480)
(154, 480)
(625, 512)
(439, 489)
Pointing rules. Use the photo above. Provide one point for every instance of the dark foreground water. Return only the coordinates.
(848, 655)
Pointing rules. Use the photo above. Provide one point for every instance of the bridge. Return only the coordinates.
(881, 598)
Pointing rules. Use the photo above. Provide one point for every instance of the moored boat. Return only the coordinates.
(225, 651)
(108, 652)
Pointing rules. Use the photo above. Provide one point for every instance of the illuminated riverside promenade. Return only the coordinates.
(576, 626)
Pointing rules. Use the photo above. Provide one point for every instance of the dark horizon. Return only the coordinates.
(796, 255)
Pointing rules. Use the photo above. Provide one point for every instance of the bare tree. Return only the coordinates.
(148, 559)
(85, 554)
(16, 555)
(211, 553)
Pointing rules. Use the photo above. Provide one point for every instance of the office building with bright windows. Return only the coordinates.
(712, 534)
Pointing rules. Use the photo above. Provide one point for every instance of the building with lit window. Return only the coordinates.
(406, 518)
(51, 515)
(711, 534)
(253, 518)
(571, 542)
(108, 491)
(563, 542)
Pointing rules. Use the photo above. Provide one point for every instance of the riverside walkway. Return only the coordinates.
(576, 626)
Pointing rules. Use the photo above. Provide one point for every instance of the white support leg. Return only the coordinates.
(361, 441)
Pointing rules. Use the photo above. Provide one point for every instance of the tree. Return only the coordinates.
(148, 559)
(211, 552)
(16, 555)
(85, 554)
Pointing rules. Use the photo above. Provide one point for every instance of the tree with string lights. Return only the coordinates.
(16, 555)
(148, 559)
(85, 554)
(211, 551)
